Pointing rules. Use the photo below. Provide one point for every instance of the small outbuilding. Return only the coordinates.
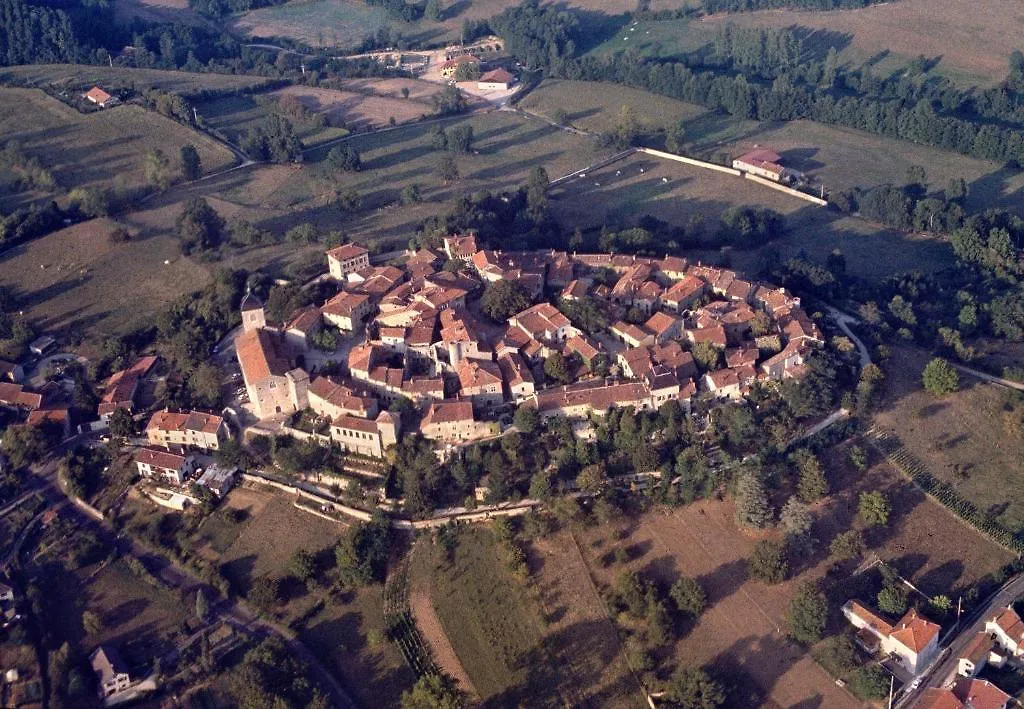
(99, 97)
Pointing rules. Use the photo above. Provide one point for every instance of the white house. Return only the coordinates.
(111, 671)
(913, 641)
(347, 259)
(174, 468)
(1008, 630)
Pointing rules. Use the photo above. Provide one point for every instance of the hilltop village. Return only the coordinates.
(655, 330)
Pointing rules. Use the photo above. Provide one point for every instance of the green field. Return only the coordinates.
(83, 76)
(104, 147)
(491, 622)
(839, 158)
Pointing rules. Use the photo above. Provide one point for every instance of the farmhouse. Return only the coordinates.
(913, 641)
(174, 468)
(347, 259)
(194, 429)
(496, 80)
(99, 97)
(122, 387)
(763, 163)
(110, 670)
(449, 68)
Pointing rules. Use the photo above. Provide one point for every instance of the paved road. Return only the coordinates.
(946, 668)
(991, 378)
(843, 320)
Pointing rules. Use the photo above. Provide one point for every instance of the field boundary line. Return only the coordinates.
(611, 619)
(911, 468)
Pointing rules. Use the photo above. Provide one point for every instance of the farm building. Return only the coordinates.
(449, 68)
(496, 80)
(764, 163)
(110, 670)
(99, 97)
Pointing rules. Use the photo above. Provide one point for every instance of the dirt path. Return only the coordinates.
(430, 626)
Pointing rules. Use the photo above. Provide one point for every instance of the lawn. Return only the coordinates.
(493, 624)
(961, 438)
(103, 148)
(83, 76)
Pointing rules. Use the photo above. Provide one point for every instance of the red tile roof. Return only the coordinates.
(980, 694)
(160, 459)
(497, 76)
(346, 252)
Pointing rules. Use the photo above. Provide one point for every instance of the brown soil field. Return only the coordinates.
(961, 438)
(579, 633)
(359, 111)
(973, 40)
(742, 633)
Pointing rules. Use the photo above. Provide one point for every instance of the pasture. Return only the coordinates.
(966, 438)
(972, 41)
(836, 157)
(332, 113)
(102, 148)
(76, 279)
(596, 107)
(742, 634)
(968, 42)
(156, 11)
(491, 621)
(274, 531)
(81, 77)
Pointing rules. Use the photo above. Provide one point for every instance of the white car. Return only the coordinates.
(915, 684)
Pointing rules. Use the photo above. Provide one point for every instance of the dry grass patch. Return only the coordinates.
(961, 438)
(76, 278)
(742, 632)
(360, 111)
(973, 40)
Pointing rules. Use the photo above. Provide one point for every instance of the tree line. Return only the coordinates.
(735, 79)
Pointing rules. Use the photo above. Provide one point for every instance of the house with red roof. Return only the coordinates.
(496, 80)
(764, 163)
(172, 467)
(1008, 630)
(913, 641)
(346, 259)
